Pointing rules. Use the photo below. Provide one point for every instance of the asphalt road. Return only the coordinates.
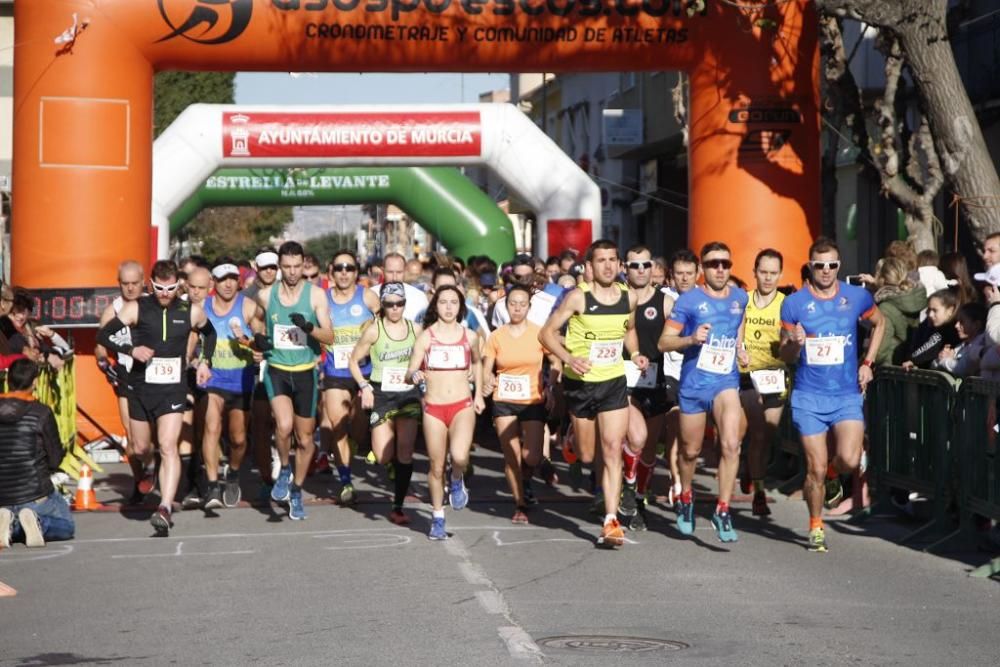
(347, 587)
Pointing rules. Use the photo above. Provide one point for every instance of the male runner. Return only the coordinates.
(820, 328)
(229, 392)
(599, 316)
(394, 271)
(161, 324)
(707, 324)
(130, 283)
(296, 317)
(351, 309)
(192, 486)
(261, 422)
(763, 384)
(648, 403)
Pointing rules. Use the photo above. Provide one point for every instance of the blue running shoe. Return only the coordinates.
(685, 517)
(459, 497)
(279, 492)
(437, 530)
(723, 523)
(296, 512)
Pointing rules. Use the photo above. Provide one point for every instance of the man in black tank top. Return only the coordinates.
(161, 324)
(648, 404)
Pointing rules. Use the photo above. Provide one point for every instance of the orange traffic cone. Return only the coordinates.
(85, 499)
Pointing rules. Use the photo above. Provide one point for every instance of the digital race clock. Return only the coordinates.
(71, 306)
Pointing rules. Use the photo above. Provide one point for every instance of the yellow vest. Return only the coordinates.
(762, 333)
(600, 325)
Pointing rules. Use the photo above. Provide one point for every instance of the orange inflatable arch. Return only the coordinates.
(83, 73)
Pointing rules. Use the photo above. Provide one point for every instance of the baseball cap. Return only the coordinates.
(225, 270)
(265, 259)
(488, 280)
(992, 276)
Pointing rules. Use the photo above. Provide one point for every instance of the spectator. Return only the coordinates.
(567, 258)
(659, 273)
(900, 299)
(931, 277)
(935, 333)
(964, 360)
(552, 269)
(6, 299)
(954, 267)
(30, 451)
(904, 251)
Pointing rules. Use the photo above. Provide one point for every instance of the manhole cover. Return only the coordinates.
(611, 644)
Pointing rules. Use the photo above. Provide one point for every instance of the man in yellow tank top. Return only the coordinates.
(764, 383)
(600, 314)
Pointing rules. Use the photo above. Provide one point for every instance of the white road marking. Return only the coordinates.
(520, 645)
(501, 543)
(474, 574)
(179, 553)
(49, 553)
(492, 602)
(374, 542)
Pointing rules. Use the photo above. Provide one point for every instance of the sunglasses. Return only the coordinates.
(718, 263)
(166, 289)
(636, 266)
(267, 268)
(346, 268)
(310, 276)
(394, 304)
(825, 266)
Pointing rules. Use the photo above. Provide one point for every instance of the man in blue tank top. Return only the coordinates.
(820, 331)
(351, 309)
(228, 393)
(294, 315)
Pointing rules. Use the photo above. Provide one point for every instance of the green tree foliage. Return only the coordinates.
(222, 231)
(325, 246)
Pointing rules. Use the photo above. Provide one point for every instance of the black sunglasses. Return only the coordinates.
(718, 263)
(310, 276)
(825, 266)
(349, 268)
(394, 304)
(635, 266)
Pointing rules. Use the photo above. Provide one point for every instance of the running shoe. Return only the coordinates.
(597, 507)
(547, 472)
(162, 521)
(529, 494)
(685, 517)
(519, 517)
(760, 507)
(723, 523)
(437, 529)
(638, 521)
(231, 492)
(33, 536)
(397, 517)
(348, 495)
(279, 492)
(296, 512)
(834, 493)
(576, 474)
(147, 482)
(192, 500)
(459, 497)
(817, 540)
(6, 527)
(612, 535)
(213, 501)
(628, 504)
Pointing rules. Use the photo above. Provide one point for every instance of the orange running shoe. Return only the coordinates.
(612, 535)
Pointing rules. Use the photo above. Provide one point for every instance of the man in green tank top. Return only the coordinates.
(601, 317)
(295, 317)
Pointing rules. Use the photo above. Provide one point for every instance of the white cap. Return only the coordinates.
(992, 276)
(266, 259)
(224, 270)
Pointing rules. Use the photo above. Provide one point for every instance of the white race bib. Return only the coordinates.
(770, 381)
(161, 370)
(289, 337)
(341, 356)
(394, 379)
(605, 353)
(513, 387)
(825, 351)
(716, 359)
(636, 379)
(446, 357)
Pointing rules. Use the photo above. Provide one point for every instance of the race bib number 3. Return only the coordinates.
(636, 379)
(605, 354)
(825, 351)
(446, 357)
(768, 381)
(513, 387)
(163, 371)
(341, 356)
(289, 337)
(716, 359)
(394, 379)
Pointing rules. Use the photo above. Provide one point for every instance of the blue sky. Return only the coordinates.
(281, 88)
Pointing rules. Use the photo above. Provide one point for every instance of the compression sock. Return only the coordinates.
(831, 472)
(629, 463)
(721, 507)
(344, 472)
(184, 483)
(815, 522)
(642, 476)
(687, 496)
(401, 485)
(758, 486)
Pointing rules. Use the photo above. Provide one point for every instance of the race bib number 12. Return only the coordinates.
(716, 359)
